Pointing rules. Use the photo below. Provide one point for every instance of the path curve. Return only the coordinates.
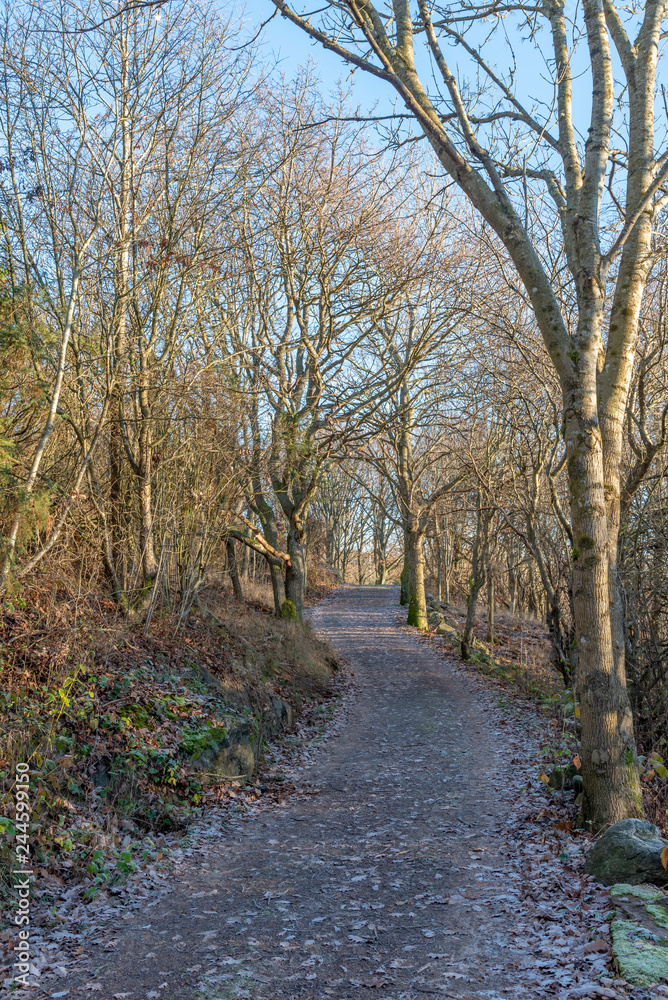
(392, 882)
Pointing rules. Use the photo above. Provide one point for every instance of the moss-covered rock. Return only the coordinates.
(200, 736)
(628, 852)
(221, 751)
(640, 933)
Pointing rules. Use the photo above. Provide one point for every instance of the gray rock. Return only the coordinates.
(228, 756)
(629, 852)
(279, 717)
(282, 712)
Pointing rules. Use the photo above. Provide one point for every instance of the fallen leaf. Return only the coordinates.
(371, 984)
(598, 945)
(664, 857)
(564, 824)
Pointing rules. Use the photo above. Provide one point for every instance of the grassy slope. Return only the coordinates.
(109, 717)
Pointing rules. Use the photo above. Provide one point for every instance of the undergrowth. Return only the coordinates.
(115, 719)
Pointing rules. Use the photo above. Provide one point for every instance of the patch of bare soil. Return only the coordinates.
(419, 855)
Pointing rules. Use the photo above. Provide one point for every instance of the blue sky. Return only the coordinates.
(292, 48)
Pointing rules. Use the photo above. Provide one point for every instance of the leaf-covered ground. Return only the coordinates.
(420, 853)
(112, 716)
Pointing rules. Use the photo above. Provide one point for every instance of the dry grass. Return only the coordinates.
(265, 648)
(520, 654)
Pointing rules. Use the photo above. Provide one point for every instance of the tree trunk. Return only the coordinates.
(609, 765)
(536, 589)
(560, 641)
(274, 567)
(417, 602)
(277, 585)
(380, 553)
(146, 539)
(471, 608)
(403, 597)
(117, 554)
(439, 559)
(270, 532)
(231, 551)
(330, 548)
(477, 579)
(490, 605)
(447, 567)
(245, 564)
(121, 263)
(296, 572)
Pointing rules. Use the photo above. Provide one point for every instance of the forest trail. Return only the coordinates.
(372, 886)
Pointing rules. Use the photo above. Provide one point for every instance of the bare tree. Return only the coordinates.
(496, 147)
(320, 226)
(116, 192)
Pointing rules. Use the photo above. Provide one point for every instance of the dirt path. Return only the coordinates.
(392, 881)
